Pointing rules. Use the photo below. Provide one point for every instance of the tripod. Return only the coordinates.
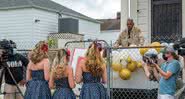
(5, 66)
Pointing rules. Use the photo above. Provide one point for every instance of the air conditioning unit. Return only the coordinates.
(68, 25)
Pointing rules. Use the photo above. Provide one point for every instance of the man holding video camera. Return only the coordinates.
(167, 74)
(15, 63)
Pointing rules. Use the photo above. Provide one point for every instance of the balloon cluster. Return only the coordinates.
(124, 64)
(155, 50)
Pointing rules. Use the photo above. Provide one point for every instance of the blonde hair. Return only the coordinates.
(59, 63)
(94, 60)
(37, 54)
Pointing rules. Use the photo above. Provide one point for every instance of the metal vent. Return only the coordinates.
(68, 25)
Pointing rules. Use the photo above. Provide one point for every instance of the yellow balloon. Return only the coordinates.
(139, 65)
(116, 66)
(125, 74)
(156, 44)
(143, 51)
(132, 66)
(128, 60)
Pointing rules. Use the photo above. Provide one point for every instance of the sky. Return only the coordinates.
(98, 9)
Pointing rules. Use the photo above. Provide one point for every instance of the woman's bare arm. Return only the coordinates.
(51, 81)
(78, 73)
(46, 69)
(71, 77)
(28, 72)
(104, 76)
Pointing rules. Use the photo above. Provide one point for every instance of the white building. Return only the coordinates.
(110, 29)
(28, 21)
(158, 19)
(110, 36)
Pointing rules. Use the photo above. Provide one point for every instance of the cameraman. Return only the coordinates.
(15, 62)
(168, 73)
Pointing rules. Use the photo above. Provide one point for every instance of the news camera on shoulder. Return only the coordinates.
(12, 65)
(6, 49)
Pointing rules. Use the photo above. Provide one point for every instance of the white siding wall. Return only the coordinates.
(91, 30)
(124, 13)
(144, 18)
(48, 24)
(109, 36)
(16, 25)
(19, 25)
(133, 8)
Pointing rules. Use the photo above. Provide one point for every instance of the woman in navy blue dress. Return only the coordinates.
(62, 76)
(92, 72)
(38, 73)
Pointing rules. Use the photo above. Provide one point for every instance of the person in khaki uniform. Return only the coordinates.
(130, 36)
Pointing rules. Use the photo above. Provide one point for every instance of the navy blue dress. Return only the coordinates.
(63, 90)
(38, 87)
(92, 87)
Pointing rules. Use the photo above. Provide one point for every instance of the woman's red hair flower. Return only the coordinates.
(68, 52)
(44, 48)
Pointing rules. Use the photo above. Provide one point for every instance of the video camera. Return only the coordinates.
(6, 49)
(150, 59)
